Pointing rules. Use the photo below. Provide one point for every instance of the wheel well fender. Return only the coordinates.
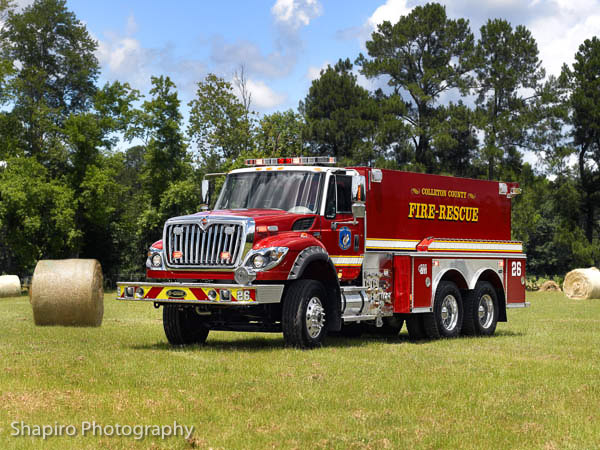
(453, 275)
(313, 263)
(492, 277)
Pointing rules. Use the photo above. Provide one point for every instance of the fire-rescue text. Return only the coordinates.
(443, 212)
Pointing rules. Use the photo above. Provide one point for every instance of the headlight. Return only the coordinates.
(156, 260)
(259, 261)
(265, 258)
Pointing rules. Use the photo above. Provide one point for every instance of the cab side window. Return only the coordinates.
(344, 194)
(330, 201)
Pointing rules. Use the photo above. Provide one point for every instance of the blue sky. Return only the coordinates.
(284, 43)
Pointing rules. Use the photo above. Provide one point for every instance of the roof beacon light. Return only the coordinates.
(294, 161)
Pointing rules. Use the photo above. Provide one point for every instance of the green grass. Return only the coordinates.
(533, 385)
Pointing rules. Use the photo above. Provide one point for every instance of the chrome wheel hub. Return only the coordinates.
(485, 311)
(449, 312)
(315, 317)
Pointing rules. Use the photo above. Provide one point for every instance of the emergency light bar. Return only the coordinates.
(296, 160)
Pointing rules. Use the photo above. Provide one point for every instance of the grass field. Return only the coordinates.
(533, 385)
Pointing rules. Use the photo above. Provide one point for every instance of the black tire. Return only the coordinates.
(448, 311)
(481, 310)
(304, 298)
(183, 326)
(415, 327)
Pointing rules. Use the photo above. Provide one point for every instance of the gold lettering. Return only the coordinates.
(411, 209)
(475, 214)
(469, 214)
(462, 214)
(442, 215)
(431, 214)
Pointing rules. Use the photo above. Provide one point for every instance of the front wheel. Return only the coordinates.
(303, 318)
(183, 326)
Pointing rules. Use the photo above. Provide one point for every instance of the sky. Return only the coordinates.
(283, 44)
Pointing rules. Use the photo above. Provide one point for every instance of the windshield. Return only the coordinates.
(292, 191)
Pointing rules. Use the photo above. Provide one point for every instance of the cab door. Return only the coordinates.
(343, 239)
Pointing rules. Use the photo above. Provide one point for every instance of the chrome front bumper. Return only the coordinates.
(199, 293)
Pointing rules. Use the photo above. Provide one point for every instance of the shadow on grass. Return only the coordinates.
(258, 344)
(502, 333)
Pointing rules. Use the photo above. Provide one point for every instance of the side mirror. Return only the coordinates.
(359, 210)
(358, 189)
(205, 195)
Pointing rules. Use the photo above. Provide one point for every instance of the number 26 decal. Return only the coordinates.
(516, 268)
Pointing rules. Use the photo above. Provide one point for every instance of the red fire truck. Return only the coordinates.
(296, 246)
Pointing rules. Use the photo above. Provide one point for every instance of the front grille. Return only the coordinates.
(208, 248)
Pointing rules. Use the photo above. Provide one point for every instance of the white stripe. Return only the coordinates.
(462, 245)
(340, 261)
(404, 244)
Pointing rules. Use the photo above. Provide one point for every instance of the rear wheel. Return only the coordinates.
(447, 317)
(183, 326)
(303, 318)
(481, 310)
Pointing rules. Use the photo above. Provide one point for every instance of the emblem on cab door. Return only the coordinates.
(344, 238)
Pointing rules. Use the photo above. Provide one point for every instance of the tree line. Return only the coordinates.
(446, 103)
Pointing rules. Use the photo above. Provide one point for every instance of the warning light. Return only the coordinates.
(296, 160)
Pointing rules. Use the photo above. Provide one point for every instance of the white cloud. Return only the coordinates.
(391, 10)
(263, 97)
(295, 14)
(276, 64)
(124, 58)
(314, 72)
(560, 34)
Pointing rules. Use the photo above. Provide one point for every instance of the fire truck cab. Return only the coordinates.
(299, 247)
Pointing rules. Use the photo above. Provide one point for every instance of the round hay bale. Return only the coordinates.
(550, 286)
(582, 283)
(67, 292)
(10, 286)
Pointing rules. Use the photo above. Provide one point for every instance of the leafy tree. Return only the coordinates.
(280, 134)
(220, 125)
(421, 56)
(583, 86)
(340, 114)
(159, 125)
(55, 75)
(37, 216)
(507, 65)
(456, 141)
